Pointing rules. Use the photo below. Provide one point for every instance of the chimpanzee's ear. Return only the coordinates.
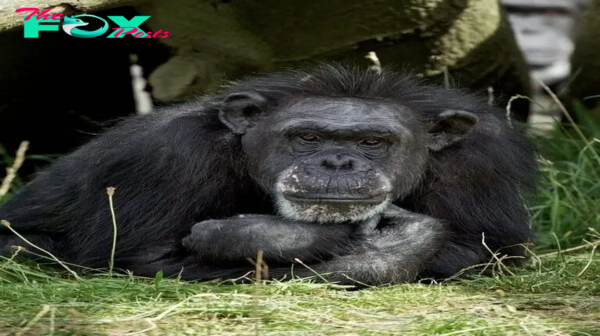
(237, 109)
(450, 127)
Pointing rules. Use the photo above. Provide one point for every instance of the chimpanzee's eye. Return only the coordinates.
(311, 138)
(371, 142)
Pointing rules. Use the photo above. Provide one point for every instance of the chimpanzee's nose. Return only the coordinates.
(339, 162)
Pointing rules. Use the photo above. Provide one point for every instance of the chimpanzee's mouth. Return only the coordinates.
(377, 199)
(331, 207)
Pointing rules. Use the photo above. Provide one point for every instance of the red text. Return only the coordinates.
(139, 33)
(41, 16)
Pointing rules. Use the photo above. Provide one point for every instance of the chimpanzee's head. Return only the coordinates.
(337, 159)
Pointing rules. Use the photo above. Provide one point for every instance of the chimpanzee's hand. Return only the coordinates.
(393, 215)
(241, 237)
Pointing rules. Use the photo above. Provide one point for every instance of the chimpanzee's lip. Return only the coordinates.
(336, 199)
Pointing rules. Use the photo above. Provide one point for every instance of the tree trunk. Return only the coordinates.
(470, 39)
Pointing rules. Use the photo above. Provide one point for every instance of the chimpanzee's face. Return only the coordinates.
(336, 160)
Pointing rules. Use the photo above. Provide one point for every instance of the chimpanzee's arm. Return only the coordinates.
(281, 240)
(395, 252)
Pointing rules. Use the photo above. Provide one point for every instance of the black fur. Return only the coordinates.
(181, 166)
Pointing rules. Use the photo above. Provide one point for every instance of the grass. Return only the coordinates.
(569, 199)
(559, 296)
(558, 293)
(6, 160)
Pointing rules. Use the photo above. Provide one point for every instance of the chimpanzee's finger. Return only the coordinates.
(369, 225)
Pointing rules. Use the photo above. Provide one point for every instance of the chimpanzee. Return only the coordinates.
(361, 176)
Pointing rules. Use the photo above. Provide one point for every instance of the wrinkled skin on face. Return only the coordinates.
(337, 160)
